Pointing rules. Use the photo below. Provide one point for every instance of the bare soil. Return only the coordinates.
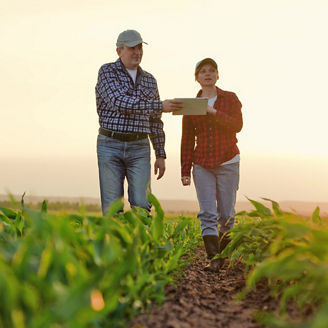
(203, 299)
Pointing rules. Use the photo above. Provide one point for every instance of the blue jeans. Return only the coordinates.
(117, 160)
(216, 192)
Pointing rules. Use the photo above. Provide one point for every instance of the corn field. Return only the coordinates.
(82, 271)
(78, 270)
(291, 253)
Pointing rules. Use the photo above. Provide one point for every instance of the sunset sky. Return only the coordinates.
(272, 54)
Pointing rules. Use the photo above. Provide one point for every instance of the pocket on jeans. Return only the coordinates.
(142, 142)
(102, 138)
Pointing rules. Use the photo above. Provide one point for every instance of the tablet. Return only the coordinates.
(192, 106)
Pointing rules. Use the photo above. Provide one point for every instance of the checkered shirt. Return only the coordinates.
(127, 107)
(209, 140)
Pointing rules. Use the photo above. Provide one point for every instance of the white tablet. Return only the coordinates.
(192, 106)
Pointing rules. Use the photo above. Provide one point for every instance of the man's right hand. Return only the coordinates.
(171, 105)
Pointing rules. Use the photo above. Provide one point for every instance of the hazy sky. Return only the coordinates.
(273, 54)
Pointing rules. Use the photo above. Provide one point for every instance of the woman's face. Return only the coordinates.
(207, 76)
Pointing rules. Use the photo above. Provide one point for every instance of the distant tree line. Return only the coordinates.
(54, 206)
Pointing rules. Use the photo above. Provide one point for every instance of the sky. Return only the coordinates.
(272, 54)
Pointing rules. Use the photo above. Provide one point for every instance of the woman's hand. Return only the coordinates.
(210, 110)
(186, 181)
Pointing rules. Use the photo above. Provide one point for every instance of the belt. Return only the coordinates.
(123, 136)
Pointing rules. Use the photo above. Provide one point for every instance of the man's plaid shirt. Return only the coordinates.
(210, 140)
(127, 107)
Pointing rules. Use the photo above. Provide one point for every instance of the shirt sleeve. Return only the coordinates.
(116, 93)
(157, 135)
(187, 146)
(231, 119)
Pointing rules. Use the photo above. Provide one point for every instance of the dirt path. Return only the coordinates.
(204, 299)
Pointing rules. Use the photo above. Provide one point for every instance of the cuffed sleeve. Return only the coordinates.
(187, 146)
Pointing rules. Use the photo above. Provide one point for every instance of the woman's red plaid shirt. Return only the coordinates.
(209, 140)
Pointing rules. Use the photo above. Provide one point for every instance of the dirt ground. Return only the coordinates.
(203, 299)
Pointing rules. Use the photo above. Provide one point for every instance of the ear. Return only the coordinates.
(118, 51)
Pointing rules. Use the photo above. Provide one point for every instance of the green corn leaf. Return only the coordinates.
(241, 213)
(8, 212)
(272, 321)
(172, 264)
(122, 233)
(180, 227)
(261, 210)
(44, 207)
(157, 227)
(22, 201)
(45, 260)
(290, 292)
(158, 209)
(6, 219)
(275, 206)
(115, 208)
(131, 218)
(316, 216)
(321, 317)
(20, 225)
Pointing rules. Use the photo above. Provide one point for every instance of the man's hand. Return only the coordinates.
(186, 181)
(171, 105)
(159, 167)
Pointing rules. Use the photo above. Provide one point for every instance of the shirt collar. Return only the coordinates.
(119, 65)
(219, 92)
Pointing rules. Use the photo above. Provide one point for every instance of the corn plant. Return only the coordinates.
(291, 253)
(86, 271)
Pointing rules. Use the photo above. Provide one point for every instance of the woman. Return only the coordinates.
(209, 146)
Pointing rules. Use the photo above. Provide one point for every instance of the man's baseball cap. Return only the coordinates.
(129, 38)
(203, 62)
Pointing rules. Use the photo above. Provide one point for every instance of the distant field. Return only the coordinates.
(171, 207)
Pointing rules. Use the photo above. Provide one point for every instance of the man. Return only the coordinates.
(129, 110)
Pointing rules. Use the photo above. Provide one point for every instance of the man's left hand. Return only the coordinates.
(159, 167)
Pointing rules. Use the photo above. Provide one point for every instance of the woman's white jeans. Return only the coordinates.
(216, 192)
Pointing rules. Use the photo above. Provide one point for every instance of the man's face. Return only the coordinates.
(207, 76)
(130, 56)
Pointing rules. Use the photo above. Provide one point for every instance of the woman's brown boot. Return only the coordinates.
(211, 243)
